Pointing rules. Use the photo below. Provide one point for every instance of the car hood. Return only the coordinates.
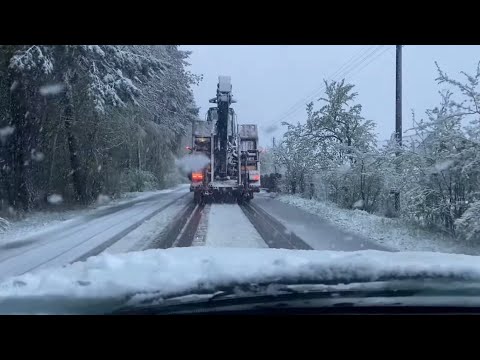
(105, 282)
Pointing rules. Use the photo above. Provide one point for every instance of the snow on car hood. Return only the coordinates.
(108, 279)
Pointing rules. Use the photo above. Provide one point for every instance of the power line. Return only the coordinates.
(351, 67)
(346, 73)
(301, 103)
(389, 49)
(357, 54)
(372, 60)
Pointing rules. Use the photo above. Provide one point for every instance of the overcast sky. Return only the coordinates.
(268, 80)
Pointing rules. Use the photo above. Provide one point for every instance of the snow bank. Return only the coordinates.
(393, 233)
(114, 278)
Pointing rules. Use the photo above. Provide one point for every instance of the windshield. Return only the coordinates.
(157, 171)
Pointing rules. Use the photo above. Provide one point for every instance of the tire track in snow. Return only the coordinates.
(187, 234)
(272, 231)
(201, 233)
(229, 227)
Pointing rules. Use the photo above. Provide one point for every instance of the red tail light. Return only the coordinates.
(255, 178)
(197, 176)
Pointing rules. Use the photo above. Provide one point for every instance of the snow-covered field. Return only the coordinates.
(393, 233)
(229, 227)
(107, 280)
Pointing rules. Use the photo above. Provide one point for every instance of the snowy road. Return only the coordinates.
(264, 222)
(171, 219)
(313, 230)
(84, 236)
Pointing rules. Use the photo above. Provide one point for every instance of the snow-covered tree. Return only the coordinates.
(436, 171)
(335, 149)
(298, 158)
(94, 112)
(338, 127)
(441, 170)
(468, 225)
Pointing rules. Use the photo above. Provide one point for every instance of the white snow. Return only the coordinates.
(5, 132)
(229, 227)
(392, 233)
(36, 222)
(344, 168)
(4, 224)
(51, 89)
(55, 199)
(181, 270)
(140, 195)
(141, 237)
(39, 222)
(201, 233)
(70, 240)
(37, 155)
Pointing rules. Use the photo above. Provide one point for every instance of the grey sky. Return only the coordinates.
(268, 80)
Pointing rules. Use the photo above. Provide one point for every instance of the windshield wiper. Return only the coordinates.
(234, 294)
(253, 293)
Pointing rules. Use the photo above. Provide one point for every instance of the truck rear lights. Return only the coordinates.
(197, 176)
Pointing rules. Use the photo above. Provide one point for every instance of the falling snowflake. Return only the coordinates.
(358, 204)
(5, 132)
(444, 165)
(14, 85)
(103, 199)
(55, 199)
(51, 89)
(37, 155)
(271, 128)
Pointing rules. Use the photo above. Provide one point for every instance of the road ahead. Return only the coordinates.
(171, 219)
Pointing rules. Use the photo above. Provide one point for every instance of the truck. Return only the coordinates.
(233, 171)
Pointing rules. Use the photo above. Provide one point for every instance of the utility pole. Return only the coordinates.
(274, 166)
(398, 112)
